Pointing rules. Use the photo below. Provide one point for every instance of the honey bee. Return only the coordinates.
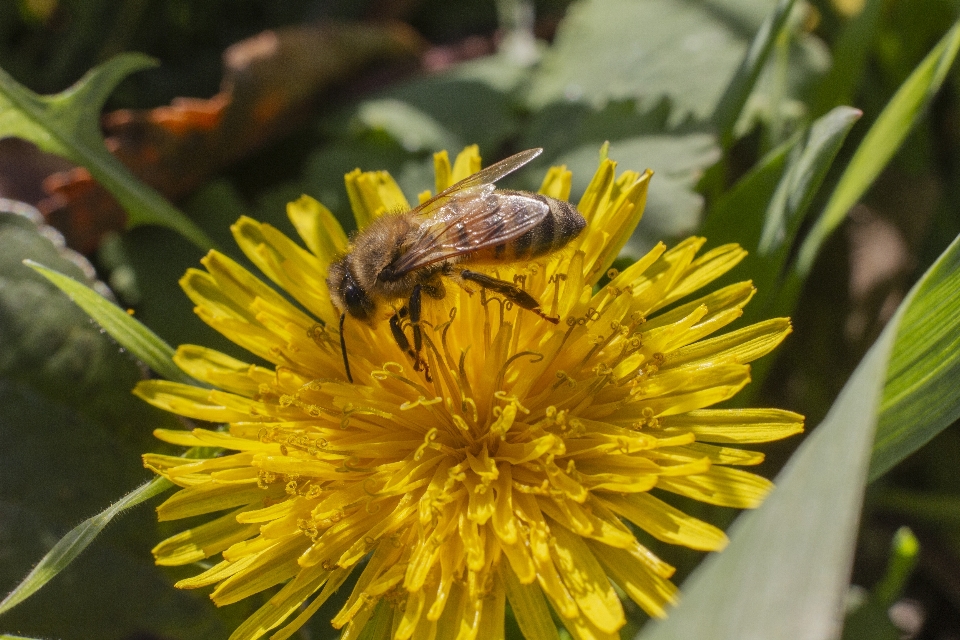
(401, 256)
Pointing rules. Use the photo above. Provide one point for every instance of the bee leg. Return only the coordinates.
(435, 289)
(510, 291)
(419, 363)
(399, 335)
(343, 348)
(457, 278)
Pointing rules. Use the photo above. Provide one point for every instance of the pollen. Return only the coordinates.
(518, 471)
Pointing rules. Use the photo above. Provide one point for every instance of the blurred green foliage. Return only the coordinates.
(646, 76)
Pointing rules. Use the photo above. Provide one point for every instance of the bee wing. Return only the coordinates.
(473, 219)
(483, 177)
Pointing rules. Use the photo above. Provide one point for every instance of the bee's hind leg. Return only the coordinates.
(510, 291)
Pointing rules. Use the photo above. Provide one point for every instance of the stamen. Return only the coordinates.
(420, 402)
(564, 377)
(349, 465)
(386, 373)
(428, 443)
(443, 328)
(556, 279)
(510, 399)
(463, 379)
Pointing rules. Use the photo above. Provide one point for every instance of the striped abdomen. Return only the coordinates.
(562, 224)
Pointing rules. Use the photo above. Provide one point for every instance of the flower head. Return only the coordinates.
(518, 471)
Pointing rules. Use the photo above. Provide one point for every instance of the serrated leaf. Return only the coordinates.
(784, 574)
(72, 544)
(67, 124)
(880, 144)
(122, 327)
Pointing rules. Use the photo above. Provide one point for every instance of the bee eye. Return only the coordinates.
(353, 295)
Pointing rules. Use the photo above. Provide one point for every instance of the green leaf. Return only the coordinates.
(735, 96)
(130, 333)
(941, 510)
(72, 544)
(920, 399)
(51, 346)
(67, 124)
(785, 572)
(618, 49)
(878, 147)
(765, 219)
(56, 470)
(471, 103)
(739, 214)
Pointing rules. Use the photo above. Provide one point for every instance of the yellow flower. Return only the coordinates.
(518, 473)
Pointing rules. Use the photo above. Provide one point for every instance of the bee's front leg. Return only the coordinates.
(416, 351)
(419, 362)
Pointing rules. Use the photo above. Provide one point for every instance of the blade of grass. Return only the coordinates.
(67, 124)
(122, 327)
(878, 147)
(71, 545)
(920, 398)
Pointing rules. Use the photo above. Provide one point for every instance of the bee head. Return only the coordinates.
(347, 294)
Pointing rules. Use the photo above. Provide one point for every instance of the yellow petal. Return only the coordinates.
(441, 170)
(271, 567)
(529, 607)
(586, 580)
(744, 345)
(665, 522)
(744, 426)
(278, 608)
(651, 592)
(557, 183)
(211, 497)
(190, 401)
(318, 228)
(466, 164)
(722, 486)
(222, 370)
(203, 541)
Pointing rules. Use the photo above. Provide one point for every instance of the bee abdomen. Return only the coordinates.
(562, 224)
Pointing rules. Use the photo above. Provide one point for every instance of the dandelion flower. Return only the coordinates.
(519, 473)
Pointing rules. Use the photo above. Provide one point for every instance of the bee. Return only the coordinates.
(403, 256)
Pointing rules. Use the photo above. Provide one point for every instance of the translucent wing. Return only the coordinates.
(471, 219)
(469, 216)
(485, 176)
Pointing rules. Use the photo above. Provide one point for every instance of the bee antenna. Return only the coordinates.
(343, 348)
